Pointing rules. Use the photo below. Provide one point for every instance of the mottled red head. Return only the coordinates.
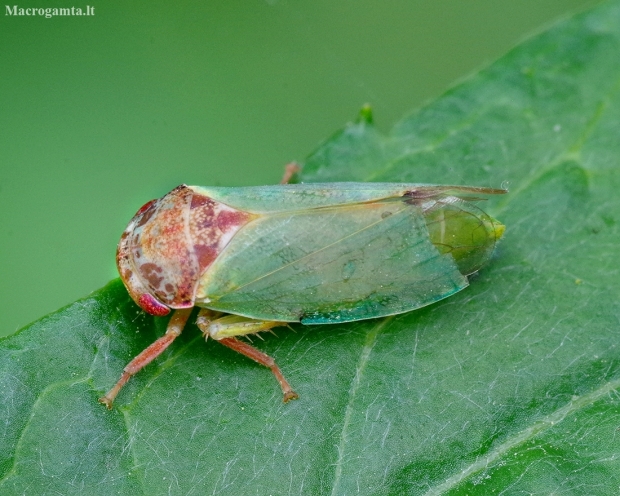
(170, 243)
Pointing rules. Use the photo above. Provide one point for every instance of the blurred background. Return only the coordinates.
(100, 114)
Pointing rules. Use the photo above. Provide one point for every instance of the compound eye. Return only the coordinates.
(145, 207)
(151, 305)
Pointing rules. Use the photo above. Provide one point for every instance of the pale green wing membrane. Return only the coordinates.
(293, 197)
(326, 264)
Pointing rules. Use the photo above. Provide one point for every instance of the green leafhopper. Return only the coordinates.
(253, 258)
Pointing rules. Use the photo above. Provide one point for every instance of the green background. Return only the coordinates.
(100, 114)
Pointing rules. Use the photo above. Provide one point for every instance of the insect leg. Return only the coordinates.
(223, 330)
(212, 324)
(205, 319)
(175, 326)
(289, 171)
(264, 359)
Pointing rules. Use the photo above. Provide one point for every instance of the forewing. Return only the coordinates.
(333, 264)
(296, 197)
(469, 193)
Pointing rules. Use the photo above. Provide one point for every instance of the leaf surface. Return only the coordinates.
(509, 386)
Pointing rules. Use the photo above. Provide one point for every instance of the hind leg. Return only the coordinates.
(224, 329)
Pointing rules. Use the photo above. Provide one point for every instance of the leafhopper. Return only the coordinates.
(254, 258)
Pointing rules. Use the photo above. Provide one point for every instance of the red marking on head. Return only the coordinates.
(149, 304)
(151, 273)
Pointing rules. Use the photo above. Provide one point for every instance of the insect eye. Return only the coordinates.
(145, 207)
(151, 305)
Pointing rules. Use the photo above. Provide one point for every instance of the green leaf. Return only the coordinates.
(507, 387)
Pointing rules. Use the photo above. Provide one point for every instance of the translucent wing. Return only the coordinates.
(294, 197)
(331, 264)
(461, 229)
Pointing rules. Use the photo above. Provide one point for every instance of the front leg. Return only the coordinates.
(174, 329)
(224, 329)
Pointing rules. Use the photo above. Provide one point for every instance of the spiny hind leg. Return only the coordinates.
(224, 329)
(219, 326)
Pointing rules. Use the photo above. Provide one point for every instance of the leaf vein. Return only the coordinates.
(523, 436)
(369, 343)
